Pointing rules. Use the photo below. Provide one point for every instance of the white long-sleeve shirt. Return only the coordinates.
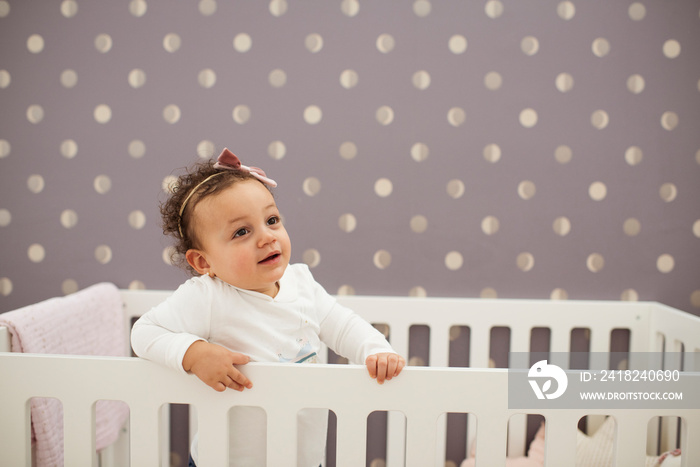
(287, 328)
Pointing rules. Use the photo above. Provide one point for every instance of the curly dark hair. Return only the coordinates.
(181, 228)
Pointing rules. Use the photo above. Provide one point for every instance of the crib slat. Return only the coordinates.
(630, 439)
(282, 436)
(15, 428)
(352, 438)
(79, 433)
(144, 436)
(421, 439)
(560, 440)
(213, 436)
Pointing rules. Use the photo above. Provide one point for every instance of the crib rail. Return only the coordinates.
(421, 394)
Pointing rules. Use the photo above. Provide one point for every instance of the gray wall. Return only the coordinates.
(557, 155)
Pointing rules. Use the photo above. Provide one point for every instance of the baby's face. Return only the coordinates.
(243, 240)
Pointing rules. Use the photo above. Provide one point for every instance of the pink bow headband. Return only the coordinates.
(226, 161)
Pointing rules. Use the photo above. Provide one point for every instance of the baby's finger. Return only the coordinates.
(239, 358)
(371, 363)
(381, 369)
(239, 378)
(392, 364)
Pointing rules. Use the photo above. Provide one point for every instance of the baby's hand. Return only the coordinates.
(214, 365)
(384, 366)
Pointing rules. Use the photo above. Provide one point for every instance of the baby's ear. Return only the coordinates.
(198, 261)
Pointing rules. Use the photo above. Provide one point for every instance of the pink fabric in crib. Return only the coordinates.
(88, 322)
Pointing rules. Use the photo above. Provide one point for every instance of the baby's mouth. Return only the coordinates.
(270, 258)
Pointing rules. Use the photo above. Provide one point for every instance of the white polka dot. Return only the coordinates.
(35, 43)
(383, 187)
(525, 261)
(668, 192)
(207, 7)
(456, 116)
(385, 43)
(421, 80)
(601, 47)
(5, 286)
(454, 260)
(276, 150)
(421, 8)
(168, 255)
(635, 84)
(637, 11)
(347, 223)
(69, 286)
(526, 189)
(277, 78)
(492, 153)
(629, 295)
(382, 259)
(672, 48)
(311, 257)
(595, 262)
(241, 114)
(5, 148)
(488, 292)
(5, 217)
(566, 10)
(457, 44)
(313, 43)
(600, 119)
(36, 253)
(348, 150)
(4, 9)
(559, 294)
(420, 152)
(696, 228)
(416, 291)
(102, 184)
(669, 120)
(5, 79)
(278, 7)
(137, 149)
(103, 43)
(138, 8)
(206, 78)
(172, 114)
(633, 155)
(493, 81)
(455, 189)
(102, 114)
(136, 285)
(346, 290)
(530, 45)
(490, 225)
(419, 224)
(563, 154)
(597, 191)
(694, 297)
(311, 186)
(665, 263)
(631, 227)
(69, 79)
(137, 78)
(313, 114)
(528, 118)
(350, 7)
(561, 226)
(385, 115)
(169, 184)
(35, 114)
(564, 82)
(35, 183)
(348, 79)
(172, 42)
(137, 219)
(205, 149)
(493, 9)
(69, 218)
(103, 254)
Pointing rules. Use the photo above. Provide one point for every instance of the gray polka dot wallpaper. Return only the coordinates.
(500, 148)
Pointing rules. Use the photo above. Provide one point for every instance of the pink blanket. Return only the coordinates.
(89, 322)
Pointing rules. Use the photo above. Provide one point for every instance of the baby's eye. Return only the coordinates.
(240, 233)
(273, 220)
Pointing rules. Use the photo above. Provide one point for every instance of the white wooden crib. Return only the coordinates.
(417, 401)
